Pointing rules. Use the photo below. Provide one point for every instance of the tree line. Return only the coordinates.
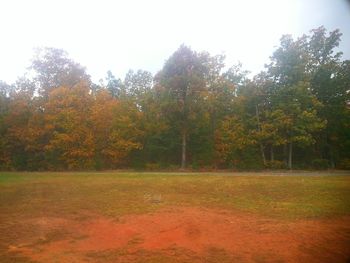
(194, 113)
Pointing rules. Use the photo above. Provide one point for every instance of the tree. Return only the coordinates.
(194, 111)
(329, 79)
(54, 69)
(114, 85)
(183, 81)
(138, 85)
(20, 108)
(4, 108)
(297, 109)
(290, 93)
(234, 141)
(218, 102)
(71, 140)
(116, 130)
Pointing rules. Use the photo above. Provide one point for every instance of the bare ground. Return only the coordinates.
(181, 234)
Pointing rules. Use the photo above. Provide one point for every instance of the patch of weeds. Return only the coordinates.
(14, 257)
(124, 255)
(52, 236)
(266, 257)
(135, 241)
(218, 255)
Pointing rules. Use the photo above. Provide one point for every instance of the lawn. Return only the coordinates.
(41, 213)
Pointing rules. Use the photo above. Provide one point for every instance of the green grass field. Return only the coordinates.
(114, 194)
(281, 196)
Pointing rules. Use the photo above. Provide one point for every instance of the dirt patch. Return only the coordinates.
(187, 234)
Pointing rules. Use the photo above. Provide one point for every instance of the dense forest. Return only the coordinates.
(195, 113)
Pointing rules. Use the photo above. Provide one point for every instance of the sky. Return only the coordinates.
(117, 35)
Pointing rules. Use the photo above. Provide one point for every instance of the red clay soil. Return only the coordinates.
(194, 231)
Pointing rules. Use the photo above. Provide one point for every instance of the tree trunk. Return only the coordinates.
(183, 158)
(262, 154)
(290, 155)
(272, 155)
(332, 162)
(331, 156)
(285, 157)
(260, 144)
(212, 132)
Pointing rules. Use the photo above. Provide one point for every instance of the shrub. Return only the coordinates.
(152, 166)
(344, 164)
(173, 167)
(276, 164)
(195, 165)
(320, 164)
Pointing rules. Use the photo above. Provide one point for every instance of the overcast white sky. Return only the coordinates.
(120, 35)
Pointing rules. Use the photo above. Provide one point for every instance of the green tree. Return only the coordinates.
(53, 68)
(4, 108)
(295, 109)
(20, 108)
(114, 85)
(183, 82)
(329, 79)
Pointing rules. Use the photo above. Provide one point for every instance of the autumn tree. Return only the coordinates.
(21, 106)
(116, 129)
(71, 140)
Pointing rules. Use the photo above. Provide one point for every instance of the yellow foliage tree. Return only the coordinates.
(71, 140)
